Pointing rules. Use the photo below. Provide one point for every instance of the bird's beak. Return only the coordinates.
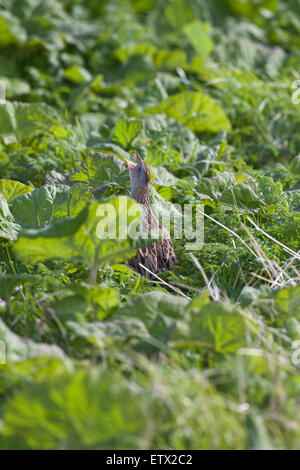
(130, 164)
(138, 157)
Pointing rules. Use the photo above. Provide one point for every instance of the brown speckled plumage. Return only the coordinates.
(158, 256)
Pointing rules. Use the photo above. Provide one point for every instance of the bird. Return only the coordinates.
(158, 256)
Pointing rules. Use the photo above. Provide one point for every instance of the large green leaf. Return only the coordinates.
(18, 349)
(107, 174)
(126, 131)
(92, 237)
(199, 36)
(8, 227)
(26, 119)
(12, 189)
(158, 311)
(195, 110)
(216, 326)
(48, 203)
(11, 31)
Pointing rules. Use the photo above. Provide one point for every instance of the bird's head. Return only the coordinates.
(139, 175)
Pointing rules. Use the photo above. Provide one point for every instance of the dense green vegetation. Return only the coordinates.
(206, 356)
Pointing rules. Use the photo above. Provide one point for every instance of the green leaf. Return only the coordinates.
(92, 237)
(18, 349)
(35, 209)
(88, 409)
(199, 36)
(105, 173)
(195, 110)
(12, 189)
(48, 203)
(250, 8)
(26, 119)
(125, 132)
(123, 329)
(158, 311)
(11, 31)
(77, 74)
(103, 297)
(15, 86)
(219, 327)
(215, 186)
(244, 196)
(8, 227)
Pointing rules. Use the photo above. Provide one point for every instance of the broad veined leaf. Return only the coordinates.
(103, 172)
(26, 119)
(216, 326)
(199, 36)
(100, 233)
(195, 110)
(158, 311)
(126, 131)
(216, 185)
(12, 189)
(48, 203)
(18, 349)
(8, 227)
(35, 209)
(103, 297)
(244, 196)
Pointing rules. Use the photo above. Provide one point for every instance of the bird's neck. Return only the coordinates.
(141, 195)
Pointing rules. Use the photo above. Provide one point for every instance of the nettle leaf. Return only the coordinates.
(26, 119)
(199, 35)
(106, 173)
(97, 235)
(126, 131)
(12, 189)
(195, 110)
(9, 229)
(18, 349)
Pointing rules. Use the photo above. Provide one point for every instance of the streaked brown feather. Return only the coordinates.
(158, 256)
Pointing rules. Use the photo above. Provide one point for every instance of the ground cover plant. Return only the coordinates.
(94, 356)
